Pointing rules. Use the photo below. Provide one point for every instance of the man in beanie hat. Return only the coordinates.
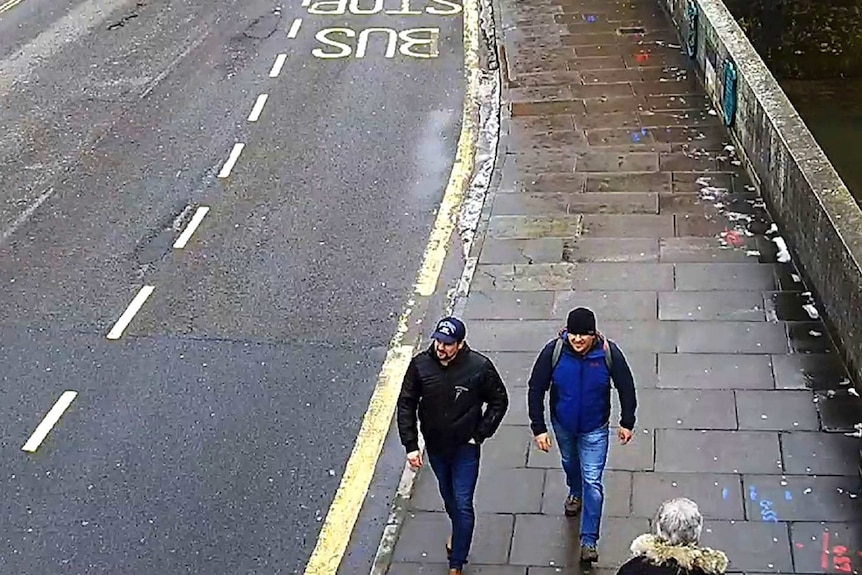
(577, 368)
(460, 401)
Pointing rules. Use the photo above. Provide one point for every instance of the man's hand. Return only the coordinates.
(543, 442)
(414, 458)
(624, 434)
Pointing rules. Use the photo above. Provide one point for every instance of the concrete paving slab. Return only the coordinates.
(514, 368)
(714, 371)
(808, 337)
(577, 202)
(533, 227)
(510, 491)
(642, 336)
(509, 305)
(679, 450)
(731, 337)
(818, 372)
(655, 182)
(787, 306)
(637, 456)
(701, 250)
(582, 276)
(776, 411)
(608, 305)
(719, 496)
(751, 546)
(517, 412)
(813, 453)
(774, 498)
(555, 140)
(424, 534)
(610, 250)
(513, 335)
(617, 486)
(426, 496)
(712, 306)
(840, 411)
(507, 449)
(545, 183)
(724, 276)
(687, 409)
(545, 540)
(537, 125)
(599, 161)
(644, 366)
(541, 250)
(627, 226)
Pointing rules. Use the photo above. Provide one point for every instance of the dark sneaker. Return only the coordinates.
(589, 553)
(572, 506)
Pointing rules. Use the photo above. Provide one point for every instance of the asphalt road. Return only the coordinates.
(210, 436)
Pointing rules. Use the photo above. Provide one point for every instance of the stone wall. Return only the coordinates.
(819, 218)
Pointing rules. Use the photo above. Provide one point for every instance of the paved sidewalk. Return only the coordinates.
(618, 193)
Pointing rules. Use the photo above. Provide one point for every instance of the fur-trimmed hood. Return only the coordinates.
(689, 558)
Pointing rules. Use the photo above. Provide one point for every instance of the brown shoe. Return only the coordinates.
(455, 572)
(572, 506)
(589, 553)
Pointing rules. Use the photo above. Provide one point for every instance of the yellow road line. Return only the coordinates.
(9, 5)
(459, 178)
(344, 510)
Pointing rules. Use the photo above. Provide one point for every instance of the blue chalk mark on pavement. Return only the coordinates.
(725, 493)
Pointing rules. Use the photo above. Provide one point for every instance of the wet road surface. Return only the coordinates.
(209, 434)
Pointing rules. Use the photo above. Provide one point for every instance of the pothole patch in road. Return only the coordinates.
(157, 244)
(264, 26)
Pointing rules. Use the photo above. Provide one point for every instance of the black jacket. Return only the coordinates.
(449, 400)
(650, 556)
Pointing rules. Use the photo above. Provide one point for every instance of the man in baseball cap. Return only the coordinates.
(453, 383)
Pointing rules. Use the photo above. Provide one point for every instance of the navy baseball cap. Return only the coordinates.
(450, 330)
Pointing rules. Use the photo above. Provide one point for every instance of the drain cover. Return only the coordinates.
(631, 30)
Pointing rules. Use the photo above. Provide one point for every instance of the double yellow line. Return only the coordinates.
(8, 5)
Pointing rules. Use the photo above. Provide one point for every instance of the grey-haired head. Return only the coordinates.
(678, 522)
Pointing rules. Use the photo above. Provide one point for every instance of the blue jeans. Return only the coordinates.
(584, 456)
(457, 473)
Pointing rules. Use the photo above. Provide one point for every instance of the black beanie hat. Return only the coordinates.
(581, 321)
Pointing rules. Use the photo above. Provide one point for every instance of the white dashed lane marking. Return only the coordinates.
(50, 421)
(277, 66)
(231, 161)
(134, 307)
(190, 229)
(258, 108)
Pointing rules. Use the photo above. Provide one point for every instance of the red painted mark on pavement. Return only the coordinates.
(841, 562)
